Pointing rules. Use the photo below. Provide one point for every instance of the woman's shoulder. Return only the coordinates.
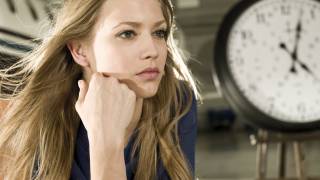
(188, 122)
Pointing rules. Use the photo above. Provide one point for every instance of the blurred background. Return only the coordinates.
(224, 149)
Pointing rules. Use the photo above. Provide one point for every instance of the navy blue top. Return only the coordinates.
(187, 129)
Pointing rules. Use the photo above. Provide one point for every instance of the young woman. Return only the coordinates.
(105, 96)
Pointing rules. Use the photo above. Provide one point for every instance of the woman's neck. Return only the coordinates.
(135, 119)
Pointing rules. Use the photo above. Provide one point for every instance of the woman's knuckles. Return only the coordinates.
(94, 77)
(132, 94)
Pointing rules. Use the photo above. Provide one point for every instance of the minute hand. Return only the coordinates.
(298, 37)
(294, 54)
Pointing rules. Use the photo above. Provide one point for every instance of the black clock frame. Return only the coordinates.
(230, 89)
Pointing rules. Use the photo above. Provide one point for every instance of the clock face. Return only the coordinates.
(273, 53)
(20, 22)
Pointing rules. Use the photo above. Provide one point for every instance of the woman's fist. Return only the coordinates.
(106, 107)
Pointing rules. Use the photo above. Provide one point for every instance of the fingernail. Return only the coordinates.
(79, 84)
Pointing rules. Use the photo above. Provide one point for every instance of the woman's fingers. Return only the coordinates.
(131, 85)
(125, 79)
(104, 74)
(83, 91)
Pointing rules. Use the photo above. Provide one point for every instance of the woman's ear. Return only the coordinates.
(77, 50)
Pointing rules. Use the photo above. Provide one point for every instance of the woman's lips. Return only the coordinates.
(149, 75)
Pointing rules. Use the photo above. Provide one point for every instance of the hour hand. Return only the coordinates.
(294, 58)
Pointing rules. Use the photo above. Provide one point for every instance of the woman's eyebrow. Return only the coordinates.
(138, 24)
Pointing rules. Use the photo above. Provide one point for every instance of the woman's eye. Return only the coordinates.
(127, 34)
(162, 33)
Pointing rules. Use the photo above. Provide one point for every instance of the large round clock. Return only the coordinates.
(267, 61)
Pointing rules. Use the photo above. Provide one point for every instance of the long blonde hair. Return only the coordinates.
(40, 123)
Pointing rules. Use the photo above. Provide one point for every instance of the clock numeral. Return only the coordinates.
(285, 10)
(245, 34)
(253, 88)
(301, 108)
(312, 14)
(271, 102)
(261, 18)
(238, 61)
(31, 8)
(11, 6)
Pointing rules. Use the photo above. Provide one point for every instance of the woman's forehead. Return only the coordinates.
(131, 10)
(146, 13)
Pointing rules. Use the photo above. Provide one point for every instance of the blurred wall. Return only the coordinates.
(200, 24)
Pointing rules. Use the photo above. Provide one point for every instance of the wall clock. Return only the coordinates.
(267, 62)
(21, 21)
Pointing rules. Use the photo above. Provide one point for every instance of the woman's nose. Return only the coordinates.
(149, 48)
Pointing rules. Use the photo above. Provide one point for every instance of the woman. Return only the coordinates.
(105, 84)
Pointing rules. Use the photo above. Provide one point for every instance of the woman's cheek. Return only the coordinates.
(164, 58)
(110, 59)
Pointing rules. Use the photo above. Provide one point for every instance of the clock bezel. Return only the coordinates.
(230, 89)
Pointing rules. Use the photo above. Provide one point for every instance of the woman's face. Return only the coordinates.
(129, 37)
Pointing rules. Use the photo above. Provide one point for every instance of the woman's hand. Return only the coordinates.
(106, 108)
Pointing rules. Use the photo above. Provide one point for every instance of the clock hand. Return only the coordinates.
(294, 59)
(294, 54)
(307, 69)
(298, 37)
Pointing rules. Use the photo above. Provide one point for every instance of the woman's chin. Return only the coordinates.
(146, 89)
(147, 92)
